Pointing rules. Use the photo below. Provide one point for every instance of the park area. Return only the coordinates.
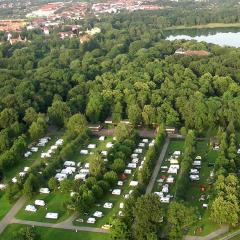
(48, 203)
(198, 194)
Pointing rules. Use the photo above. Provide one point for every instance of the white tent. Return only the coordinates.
(121, 205)
(160, 194)
(194, 171)
(194, 177)
(72, 169)
(60, 176)
(165, 188)
(14, 180)
(69, 164)
(120, 183)
(22, 174)
(197, 163)
(102, 138)
(84, 152)
(27, 154)
(132, 165)
(141, 145)
(91, 146)
(26, 169)
(39, 203)
(177, 153)
(165, 199)
(138, 150)
(135, 160)
(98, 214)
(128, 171)
(91, 220)
(109, 145)
(30, 208)
(44, 190)
(145, 140)
(81, 176)
(104, 153)
(52, 215)
(34, 149)
(170, 179)
(108, 205)
(2, 186)
(134, 155)
(84, 170)
(173, 161)
(133, 183)
(116, 192)
(59, 142)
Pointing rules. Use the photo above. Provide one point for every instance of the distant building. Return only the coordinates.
(184, 52)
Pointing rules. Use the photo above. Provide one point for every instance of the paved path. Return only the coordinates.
(158, 165)
(62, 225)
(232, 235)
(211, 236)
(12, 212)
(67, 224)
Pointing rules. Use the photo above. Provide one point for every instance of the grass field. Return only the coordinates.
(54, 203)
(50, 234)
(203, 187)
(4, 206)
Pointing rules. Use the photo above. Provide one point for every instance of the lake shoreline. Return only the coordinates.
(205, 26)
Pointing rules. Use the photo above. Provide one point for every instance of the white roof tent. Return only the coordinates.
(44, 190)
(116, 192)
(91, 146)
(39, 203)
(84, 152)
(69, 164)
(107, 205)
(91, 220)
(30, 208)
(52, 215)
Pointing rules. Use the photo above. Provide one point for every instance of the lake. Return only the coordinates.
(220, 36)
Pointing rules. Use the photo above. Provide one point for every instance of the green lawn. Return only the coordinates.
(205, 225)
(4, 205)
(100, 146)
(50, 234)
(54, 203)
(35, 157)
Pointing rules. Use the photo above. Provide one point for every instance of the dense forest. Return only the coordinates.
(126, 71)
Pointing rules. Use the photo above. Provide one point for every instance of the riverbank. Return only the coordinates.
(205, 26)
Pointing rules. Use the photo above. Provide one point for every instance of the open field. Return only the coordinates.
(54, 203)
(50, 234)
(210, 25)
(4, 206)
